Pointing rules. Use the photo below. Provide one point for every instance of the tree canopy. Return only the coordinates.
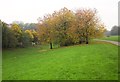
(15, 36)
(67, 27)
(64, 27)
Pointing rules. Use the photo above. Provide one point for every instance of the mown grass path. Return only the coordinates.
(113, 42)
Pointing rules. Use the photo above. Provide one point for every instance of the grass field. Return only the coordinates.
(112, 38)
(97, 60)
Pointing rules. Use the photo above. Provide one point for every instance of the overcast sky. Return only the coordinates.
(30, 10)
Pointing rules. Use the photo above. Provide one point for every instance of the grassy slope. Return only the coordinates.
(112, 38)
(94, 61)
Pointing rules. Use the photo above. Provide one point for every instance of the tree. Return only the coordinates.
(8, 37)
(115, 30)
(107, 33)
(35, 35)
(63, 18)
(12, 40)
(53, 28)
(26, 39)
(17, 30)
(29, 32)
(66, 27)
(0, 34)
(29, 26)
(118, 30)
(87, 25)
(26, 26)
(46, 30)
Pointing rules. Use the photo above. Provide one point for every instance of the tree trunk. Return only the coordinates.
(50, 45)
(86, 35)
(80, 42)
(87, 40)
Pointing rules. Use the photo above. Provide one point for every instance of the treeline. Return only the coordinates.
(115, 31)
(14, 36)
(63, 27)
(26, 26)
(66, 27)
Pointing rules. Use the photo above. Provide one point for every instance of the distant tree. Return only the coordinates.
(115, 30)
(118, 30)
(26, 39)
(30, 26)
(107, 33)
(26, 26)
(21, 24)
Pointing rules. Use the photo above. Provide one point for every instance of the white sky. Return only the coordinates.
(30, 10)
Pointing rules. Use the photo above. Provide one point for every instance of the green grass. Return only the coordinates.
(81, 62)
(112, 38)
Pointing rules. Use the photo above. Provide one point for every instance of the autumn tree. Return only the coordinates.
(67, 27)
(64, 18)
(46, 30)
(17, 31)
(35, 36)
(30, 35)
(53, 28)
(88, 25)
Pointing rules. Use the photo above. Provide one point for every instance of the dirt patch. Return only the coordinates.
(42, 50)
